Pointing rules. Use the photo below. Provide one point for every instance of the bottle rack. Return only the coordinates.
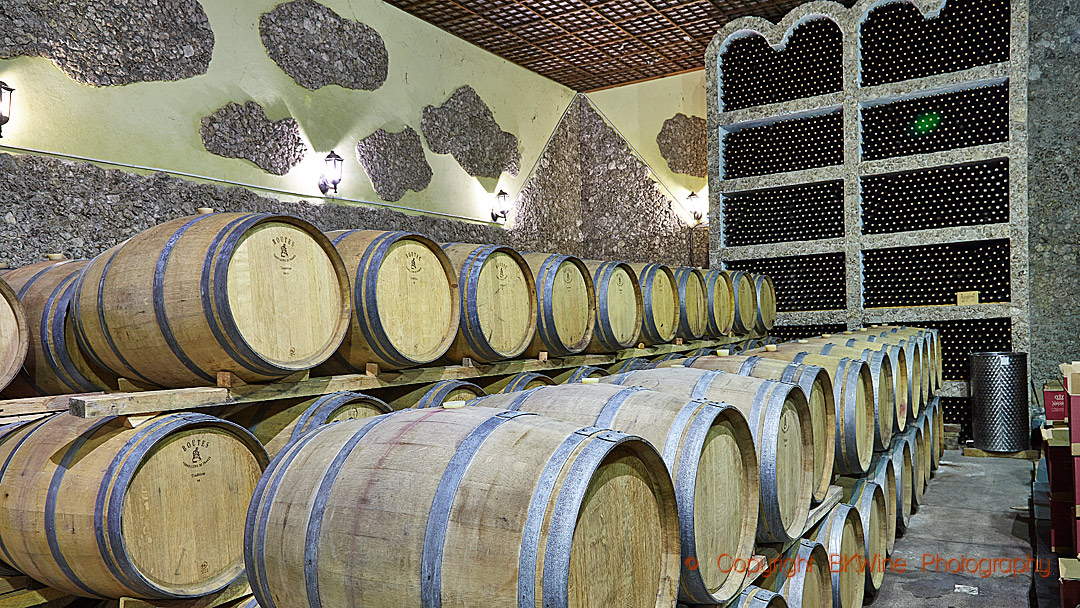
(897, 43)
(804, 212)
(779, 147)
(932, 123)
(811, 63)
(802, 282)
(786, 333)
(935, 274)
(932, 111)
(940, 197)
(957, 410)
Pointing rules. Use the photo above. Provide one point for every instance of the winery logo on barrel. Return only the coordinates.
(412, 262)
(193, 455)
(283, 245)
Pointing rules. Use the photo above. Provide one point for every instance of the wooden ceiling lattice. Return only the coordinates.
(593, 44)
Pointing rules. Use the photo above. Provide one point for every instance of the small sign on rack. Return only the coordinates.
(967, 298)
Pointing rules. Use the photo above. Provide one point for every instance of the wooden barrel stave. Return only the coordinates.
(708, 449)
(779, 419)
(91, 474)
(566, 304)
(498, 303)
(868, 498)
(176, 304)
(619, 307)
(561, 489)
(521, 381)
(904, 468)
(405, 302)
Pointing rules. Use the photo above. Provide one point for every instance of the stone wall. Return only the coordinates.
(78, 209)
(1054, 184)
(593, 197)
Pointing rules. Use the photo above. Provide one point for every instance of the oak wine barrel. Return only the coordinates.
(868, 498)
(932, 342)
(779, 418)
(629, 365)
(490, 507)
(578, 374)
(660, 296)
(917, 359)
(913, 439)
(939, 430)
(667, 360)
(742, 284)
(802, 576)
(756, 597)
(54, 363)
(278, 423)
(721, 304)
(619, 307)
(521, 381)
(883, 473)
(707, 447)
(926, 425)
(96, 508)
(498, 303)
(261, 296)
(405, 303)
(566, 304)
(765, 296)
(816, 385)
(444, 391)
(841, 533)
(693, 303)
(883, 381)
(853, 395)
(14, 334)
(904, 467)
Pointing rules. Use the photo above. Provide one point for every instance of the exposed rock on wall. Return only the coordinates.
(548, 213)
(110, 43)
(683, 144)
(626, 216)
(394, 162)
(1054, 185)
(316, 47)
(244, 131)
(593, 197)
(86, 209)
(465, 127)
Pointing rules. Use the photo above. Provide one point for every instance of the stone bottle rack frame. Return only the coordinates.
(852, 99)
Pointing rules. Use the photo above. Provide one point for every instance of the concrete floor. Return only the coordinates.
(968, 510)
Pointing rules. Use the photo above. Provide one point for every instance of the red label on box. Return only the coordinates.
(1054, 400)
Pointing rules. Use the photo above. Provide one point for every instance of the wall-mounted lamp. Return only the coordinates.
(331, 177)
(5, 105)
(501, 209)
(691, 203)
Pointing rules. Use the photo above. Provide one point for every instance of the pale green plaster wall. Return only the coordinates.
(157, 124)
(639, 110)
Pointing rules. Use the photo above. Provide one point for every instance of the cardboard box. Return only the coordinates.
(1063, 524)
(1055, 401)
(1070, 377)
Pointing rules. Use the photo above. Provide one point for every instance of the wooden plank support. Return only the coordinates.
(238, 590)
(27, 598)
(832, 498)
(232, 391)
(1023, 455)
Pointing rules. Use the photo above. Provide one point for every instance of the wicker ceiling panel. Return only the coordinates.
(594, 44)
